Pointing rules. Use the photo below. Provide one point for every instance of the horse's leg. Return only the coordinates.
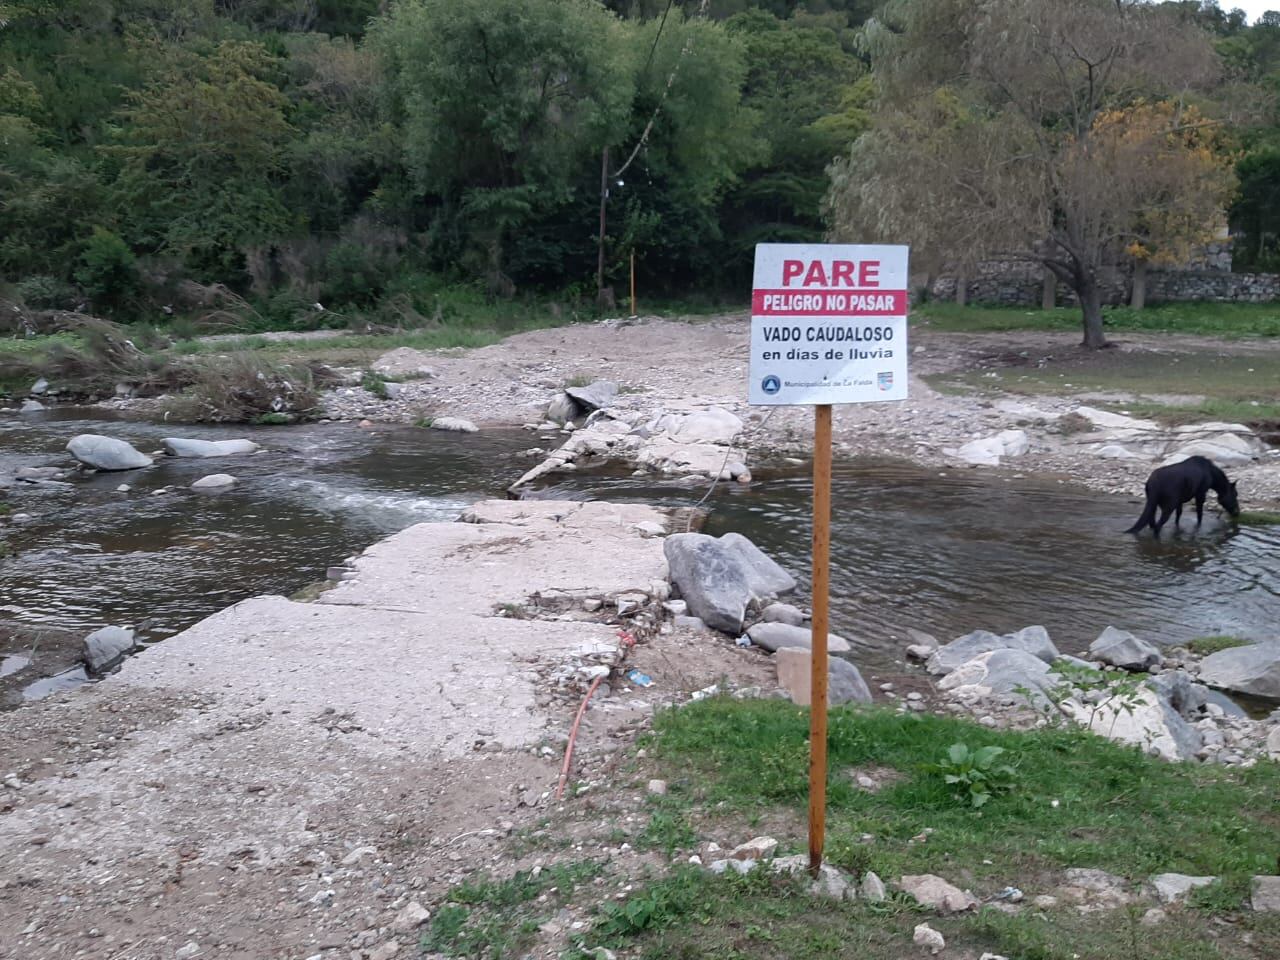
(1177, 515)
(1164, 517)
(1200, 508)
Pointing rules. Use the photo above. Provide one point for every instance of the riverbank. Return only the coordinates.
(965, 387)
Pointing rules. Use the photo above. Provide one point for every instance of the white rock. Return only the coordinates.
(758, 848)
(1172, 887)
(1114, 451)
(454, 425)
(929, 938)
(872, 888)
(215, 481)
(658, 787)
(187, 951)
(650, 528)
(410, 918)
(203, 449)
(934, 892)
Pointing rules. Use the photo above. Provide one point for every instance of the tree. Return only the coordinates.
(1002, 135)
(502, 102)
(203, 146)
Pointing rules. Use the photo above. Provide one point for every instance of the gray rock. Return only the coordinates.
(38, 473)
(771, 636)
(921, 639)
(832, 884)
(872, 888)
(31, 406)
(393, 390)
(454, 425)
(1146, 720)
(1173, 887)
(795, 672)
(181, 447)
(215, 481)
(1032, 640)
(650, 528)
(1176, 689)
(1254, 669)
(562, 409)
(104, 648)
(783, 613)
(765, 578)
(595, 396)
(40, 387)
(935, 893)
(1000, 672)
(715, 425)
(106, 453)
(1218, 699)
(718, 578)
(1265, 895)
(1120, 648)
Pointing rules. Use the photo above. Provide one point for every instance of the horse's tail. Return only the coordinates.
(1148, 518)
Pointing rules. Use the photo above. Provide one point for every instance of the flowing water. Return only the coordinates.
(943, 552)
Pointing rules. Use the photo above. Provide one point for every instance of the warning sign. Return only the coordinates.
(828, 324)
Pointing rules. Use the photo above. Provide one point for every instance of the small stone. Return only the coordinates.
(758, 848)
(831, 883)
(918, 651)
(929, 938)
(872, 888)
(188, 950)
(215, 481)
(1153, 917)
(592, 604)
(658, 788)
(1265, 895)
(358, 854)
(410, 918)
(386, 951)
(934, 892)
(737, 866)
(454, 425)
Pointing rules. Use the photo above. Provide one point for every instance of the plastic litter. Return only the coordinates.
(639, 679)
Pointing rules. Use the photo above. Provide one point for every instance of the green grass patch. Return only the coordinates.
(1174, 387)
(374, 383)
(491, 918)
(1203, 646)
(1206, 319)
(1073, 799)
(1259, 518)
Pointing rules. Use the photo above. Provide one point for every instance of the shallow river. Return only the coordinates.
(943, 552)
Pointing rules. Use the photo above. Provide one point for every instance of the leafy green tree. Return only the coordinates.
(204, 148)
(501, 103)
(108, 270)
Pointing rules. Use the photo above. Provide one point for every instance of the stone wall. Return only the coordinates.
(1020, 284)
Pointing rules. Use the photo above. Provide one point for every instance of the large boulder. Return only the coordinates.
(181, 447)
(1253, 669)
(719, 578)
(988, 451)
(1144, 719)
(774, 636)
(795, 674)
(1032, 640)
(104, 648)
(562, 409)
(715, 425)
(106, 453)
(594, 396)
(1001, 673)
(1120, 648)
(1226, 450)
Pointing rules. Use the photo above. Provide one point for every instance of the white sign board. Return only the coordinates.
(828, 324)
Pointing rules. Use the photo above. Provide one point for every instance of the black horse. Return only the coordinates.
(1168, 488)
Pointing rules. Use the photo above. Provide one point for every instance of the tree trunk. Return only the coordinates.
(1138, 295)
(962, 289)
(601, 298)
(1091, 306)
(1049, 291)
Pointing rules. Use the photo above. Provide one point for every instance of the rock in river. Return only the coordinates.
(718, 578)
(179, 447)
(1120, 648)
(1254, 669)
(106, 453)
(215, 481)
(1032, 640)
(774, 636)
(104, 648)
(454, 425)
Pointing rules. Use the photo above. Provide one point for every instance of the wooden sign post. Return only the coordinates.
(828, 326)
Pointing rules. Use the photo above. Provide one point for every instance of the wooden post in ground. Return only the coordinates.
(633, 284)
(821, 591)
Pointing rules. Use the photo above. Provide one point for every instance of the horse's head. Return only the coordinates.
(1229, 499)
